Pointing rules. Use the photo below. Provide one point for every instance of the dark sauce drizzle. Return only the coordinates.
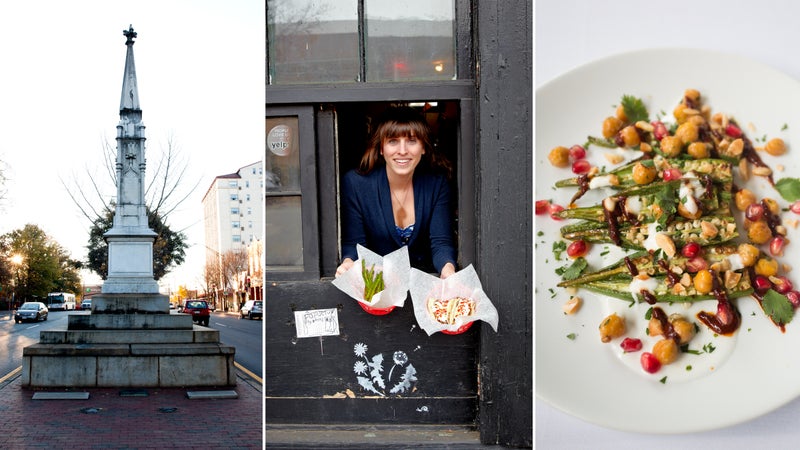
(727, 319)
(666, 326)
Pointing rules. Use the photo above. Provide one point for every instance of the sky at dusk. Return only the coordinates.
(200, 70)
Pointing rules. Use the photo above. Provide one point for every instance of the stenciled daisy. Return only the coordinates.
(360, 349)
(359, 367)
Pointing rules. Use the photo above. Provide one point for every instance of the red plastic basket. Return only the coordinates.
(375, 311)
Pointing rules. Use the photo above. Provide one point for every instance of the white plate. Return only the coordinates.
(754, 372)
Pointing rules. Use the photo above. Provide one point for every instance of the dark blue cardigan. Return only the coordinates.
(367, 218)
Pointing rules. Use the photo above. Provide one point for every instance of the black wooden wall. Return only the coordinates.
(505, 193)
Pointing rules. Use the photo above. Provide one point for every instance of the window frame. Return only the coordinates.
(308, 194)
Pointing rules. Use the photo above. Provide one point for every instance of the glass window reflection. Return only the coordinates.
(313, 41)
(410, 40)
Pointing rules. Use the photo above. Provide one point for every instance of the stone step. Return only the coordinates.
(196, 335)
(41, 349)
(129, 321)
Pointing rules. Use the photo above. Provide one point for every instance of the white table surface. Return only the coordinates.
(570, 33)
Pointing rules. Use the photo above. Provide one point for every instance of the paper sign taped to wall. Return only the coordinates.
(317, 322)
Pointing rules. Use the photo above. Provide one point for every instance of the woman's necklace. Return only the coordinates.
(401, 210)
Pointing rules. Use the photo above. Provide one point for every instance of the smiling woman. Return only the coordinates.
(400, 196)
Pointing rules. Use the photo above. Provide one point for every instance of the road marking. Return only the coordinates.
(10, 374)
(250, 374)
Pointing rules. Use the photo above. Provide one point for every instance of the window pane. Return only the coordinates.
(312, 41)
(410, 40)
(283, 155)
(284, 233)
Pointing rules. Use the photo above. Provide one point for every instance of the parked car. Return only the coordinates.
(86, 304)
(34, 311)
(198, 309)
(251, 309)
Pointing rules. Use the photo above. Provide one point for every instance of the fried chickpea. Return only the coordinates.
(698, 150)
(643, 174)
(620, 113)
(772, 205)
(744, 198)
(759, 232)
(684, 329)
(775, 147)
(767, 267)
(654, 327)
(559, 156)
(671, 146)
(679, 113)
(748, 254)
(630, 136)
(703, 282)
(692, 94)
(666, 351)
(612, 327)
(611, 127)
(687, 132)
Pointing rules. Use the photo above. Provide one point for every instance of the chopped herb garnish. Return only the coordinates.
(777, 307)
(709, 348)
(574, 270)
(572, 336)
(785, 127)
(663, 380)
(558, 248)
(634, 109)
(540, 233)
(689, 368)
(789, 188)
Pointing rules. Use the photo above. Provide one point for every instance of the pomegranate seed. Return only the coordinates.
(554, 210)
(577, 152)
(630, 345)
(776, 245)
(733, 131)
(672, 174)
(542, 207)
(691, 250)
(649, 362)
(577, 248)
(781, 284)
(794, 297)
(696, 264)
(795, 207)
(762, 284)
(754, 212)
(581, 166)
(659, 130)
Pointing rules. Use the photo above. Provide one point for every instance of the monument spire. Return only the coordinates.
(129, 100)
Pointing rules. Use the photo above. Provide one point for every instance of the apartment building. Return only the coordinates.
(233, 210)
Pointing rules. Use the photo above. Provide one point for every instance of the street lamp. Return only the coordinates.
(16, 259)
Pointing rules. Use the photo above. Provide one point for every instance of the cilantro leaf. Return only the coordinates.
(777, 307)
(634, 109)
(573, 271)
(665, 199)
(558, 248)
(789, 188)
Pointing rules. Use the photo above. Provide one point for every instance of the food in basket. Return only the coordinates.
(373, 281)
(447, 311)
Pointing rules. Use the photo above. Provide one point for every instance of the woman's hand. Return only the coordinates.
(346, 264)
(447, 270)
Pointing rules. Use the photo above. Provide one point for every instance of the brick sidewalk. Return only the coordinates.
(165, 418)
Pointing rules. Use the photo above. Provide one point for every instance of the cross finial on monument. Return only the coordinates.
(130, 34)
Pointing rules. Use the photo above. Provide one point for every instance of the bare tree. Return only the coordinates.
(233, 263)
(162, 193)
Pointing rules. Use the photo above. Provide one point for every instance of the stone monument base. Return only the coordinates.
(113, 347)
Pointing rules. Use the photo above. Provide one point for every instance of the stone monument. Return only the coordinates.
(130, 339)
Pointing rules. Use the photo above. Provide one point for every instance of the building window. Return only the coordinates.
(235, 224)
(236, 238)
(249, 210)
(247, 197)
(235, 211)
(234, 197)
(233, 183)
(335, 41)
(247, 183)
(249, 224)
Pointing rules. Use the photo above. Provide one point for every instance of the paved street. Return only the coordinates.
(153, 418)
